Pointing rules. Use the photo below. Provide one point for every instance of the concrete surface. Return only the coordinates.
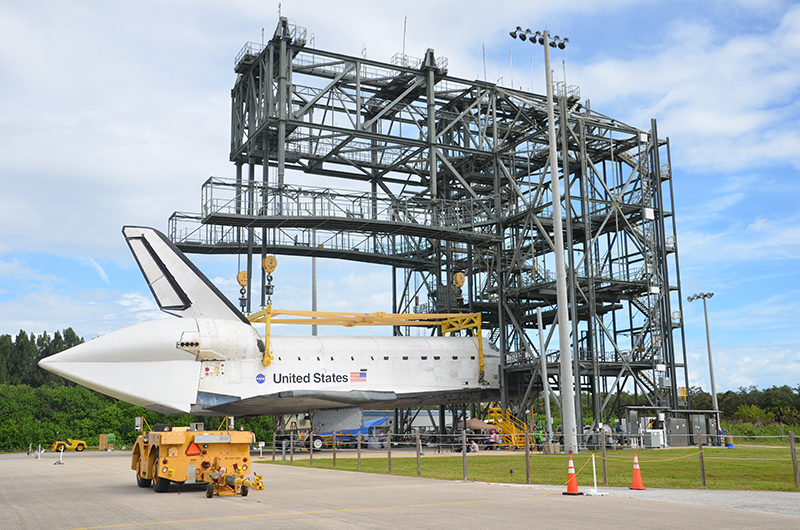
(98, 490)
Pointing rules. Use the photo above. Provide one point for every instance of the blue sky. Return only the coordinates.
(115, 114)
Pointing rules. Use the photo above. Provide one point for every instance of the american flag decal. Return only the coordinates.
(358, 377)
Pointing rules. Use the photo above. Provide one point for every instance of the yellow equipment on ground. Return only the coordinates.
(225, 482)
(511, 428)
(191, 455)
(63, 444)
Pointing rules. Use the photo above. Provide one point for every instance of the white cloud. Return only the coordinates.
(739, 219)
(138, 306)
(111, 123)
(86, 260)
(753, 339)
(762, 240)
(17, 269)
(89, 312)
(751, 364)
(726, 100)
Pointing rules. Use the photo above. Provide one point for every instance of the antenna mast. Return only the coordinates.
(405, 23)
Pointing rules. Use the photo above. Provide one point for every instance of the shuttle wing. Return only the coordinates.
(179, 288)
(292, 401)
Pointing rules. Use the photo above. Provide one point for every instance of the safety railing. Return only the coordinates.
(188, 229)
(232, 197)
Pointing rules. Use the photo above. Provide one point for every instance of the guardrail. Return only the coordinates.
(231, 197)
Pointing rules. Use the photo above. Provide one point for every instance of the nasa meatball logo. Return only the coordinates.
(260, 378)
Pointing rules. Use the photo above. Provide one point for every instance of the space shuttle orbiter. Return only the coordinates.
(209, 360)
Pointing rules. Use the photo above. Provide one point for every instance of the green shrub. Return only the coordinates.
(753, 413)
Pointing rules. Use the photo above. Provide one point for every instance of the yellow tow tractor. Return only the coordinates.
(64, 444)
(191, 455)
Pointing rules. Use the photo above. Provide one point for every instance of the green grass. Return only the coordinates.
(741, 468)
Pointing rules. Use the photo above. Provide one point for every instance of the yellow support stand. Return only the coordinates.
(267, 360)
(511, 428)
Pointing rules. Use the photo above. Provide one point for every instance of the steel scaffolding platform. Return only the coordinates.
(448, 176)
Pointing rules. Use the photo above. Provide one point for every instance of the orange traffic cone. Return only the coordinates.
(572, 480)
(637, 475)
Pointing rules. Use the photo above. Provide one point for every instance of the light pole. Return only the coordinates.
(706, 296)
(568, 421)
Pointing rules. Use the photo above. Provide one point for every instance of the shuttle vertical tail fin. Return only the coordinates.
(178, 287)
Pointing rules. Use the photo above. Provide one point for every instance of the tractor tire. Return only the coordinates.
(210, 491)
(245, 491)
(60, 447)
(80, 447)
(160, 485)
(140, 480)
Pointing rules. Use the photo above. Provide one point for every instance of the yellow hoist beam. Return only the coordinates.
(449, 322)
(472, 322)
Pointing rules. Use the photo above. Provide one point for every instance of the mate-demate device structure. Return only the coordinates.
(453, 177)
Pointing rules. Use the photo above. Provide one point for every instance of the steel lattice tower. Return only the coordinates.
(453, 176)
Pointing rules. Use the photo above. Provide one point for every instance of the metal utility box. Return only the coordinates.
(698, 421)
(633, 422)
(551, 448)
(711, 426)
(713, 435)
(652, 439)
(677, 432)
(107, 442)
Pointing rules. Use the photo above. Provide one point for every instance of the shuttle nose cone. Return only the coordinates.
(149, 341)
(140, 364)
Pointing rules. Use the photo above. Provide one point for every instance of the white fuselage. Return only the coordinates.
(400, 364)
(184, 365)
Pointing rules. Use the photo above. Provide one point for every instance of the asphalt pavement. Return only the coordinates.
(98, 490)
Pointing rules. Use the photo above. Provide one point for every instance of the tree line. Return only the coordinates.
(20, 356)
(37, 406)
(780, 404)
